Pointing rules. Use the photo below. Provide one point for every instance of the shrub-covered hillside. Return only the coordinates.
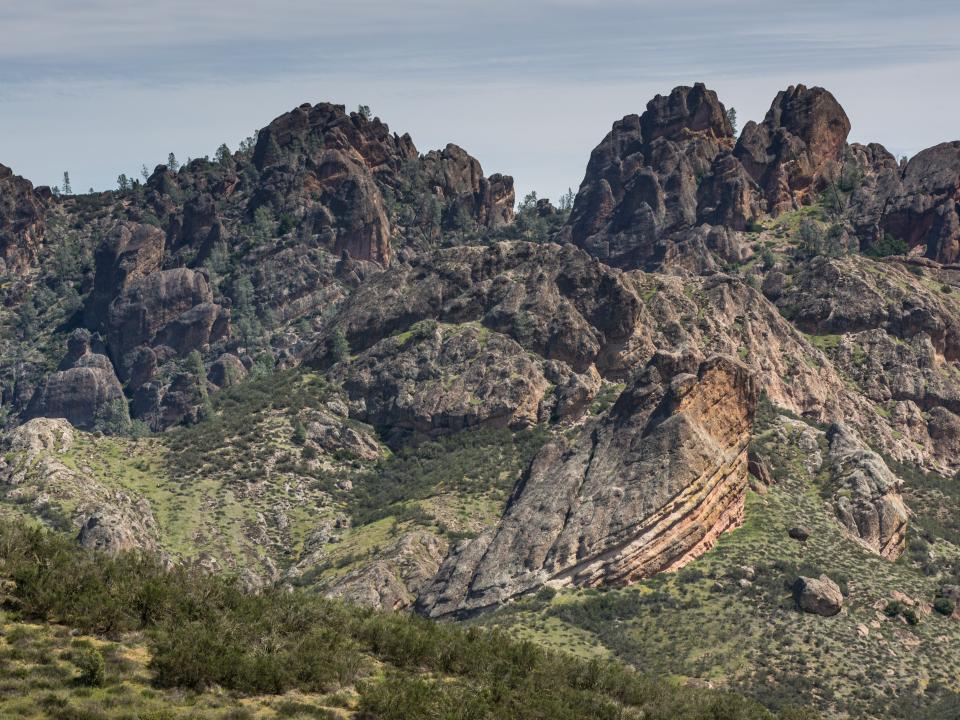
(86, 635)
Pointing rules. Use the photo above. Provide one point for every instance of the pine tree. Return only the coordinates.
(172, 163)
(67, 190)
(224, 156)
(123, 182)
(732, 117)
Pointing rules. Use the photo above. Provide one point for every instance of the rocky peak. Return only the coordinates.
(799, 142)
(686, 110)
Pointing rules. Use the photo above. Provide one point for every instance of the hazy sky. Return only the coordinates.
(100, 87)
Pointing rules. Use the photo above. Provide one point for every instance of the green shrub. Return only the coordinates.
(944, 606)
(910, 615)
(893, 608)
(89, 661)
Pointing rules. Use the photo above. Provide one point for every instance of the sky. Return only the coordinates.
(529, 87)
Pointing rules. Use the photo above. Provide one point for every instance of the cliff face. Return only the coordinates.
(22, 223)
(647, 489)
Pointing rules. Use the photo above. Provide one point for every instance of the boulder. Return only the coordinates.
(226, 371)
(819, 596)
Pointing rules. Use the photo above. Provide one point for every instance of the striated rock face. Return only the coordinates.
(819, 596)
(646, 489)
(867, 496)
(85, 391)
(22, 225)
(798, 144)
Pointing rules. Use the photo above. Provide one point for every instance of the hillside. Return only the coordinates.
(701, 420)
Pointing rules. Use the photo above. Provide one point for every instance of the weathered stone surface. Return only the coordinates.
(174, 308)
(639, 196)
(924, 213)
(331, 170)
(110, 532)
(436, 380)
(797, 146)
(646, 489)
(396, 578)
(129, 253)
(819, 596)
(867, 499)
(22, 224)
(553, 300)
(226, 371)
(105, 518)
(86, 391)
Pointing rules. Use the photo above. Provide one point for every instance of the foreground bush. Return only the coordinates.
(206, 631)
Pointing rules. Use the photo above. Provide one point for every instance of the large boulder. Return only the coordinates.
(647, 488)
(818, 596)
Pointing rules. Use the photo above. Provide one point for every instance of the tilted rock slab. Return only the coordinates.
(647, 488)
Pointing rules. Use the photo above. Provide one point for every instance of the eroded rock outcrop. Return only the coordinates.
(646, 489)
(85, 391)
(22, 224)
(553, 300)
(34, 466)
(867, 496)
(819, 596)
(332, 171)
(797, 146)
(639, 197)
(396, 578)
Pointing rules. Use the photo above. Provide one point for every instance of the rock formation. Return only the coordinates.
(85, 391)
(639, 196)
(646, 489)
(22, 223)
(867, 497)
(819, 596)
(796, 148)
(331, 170)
